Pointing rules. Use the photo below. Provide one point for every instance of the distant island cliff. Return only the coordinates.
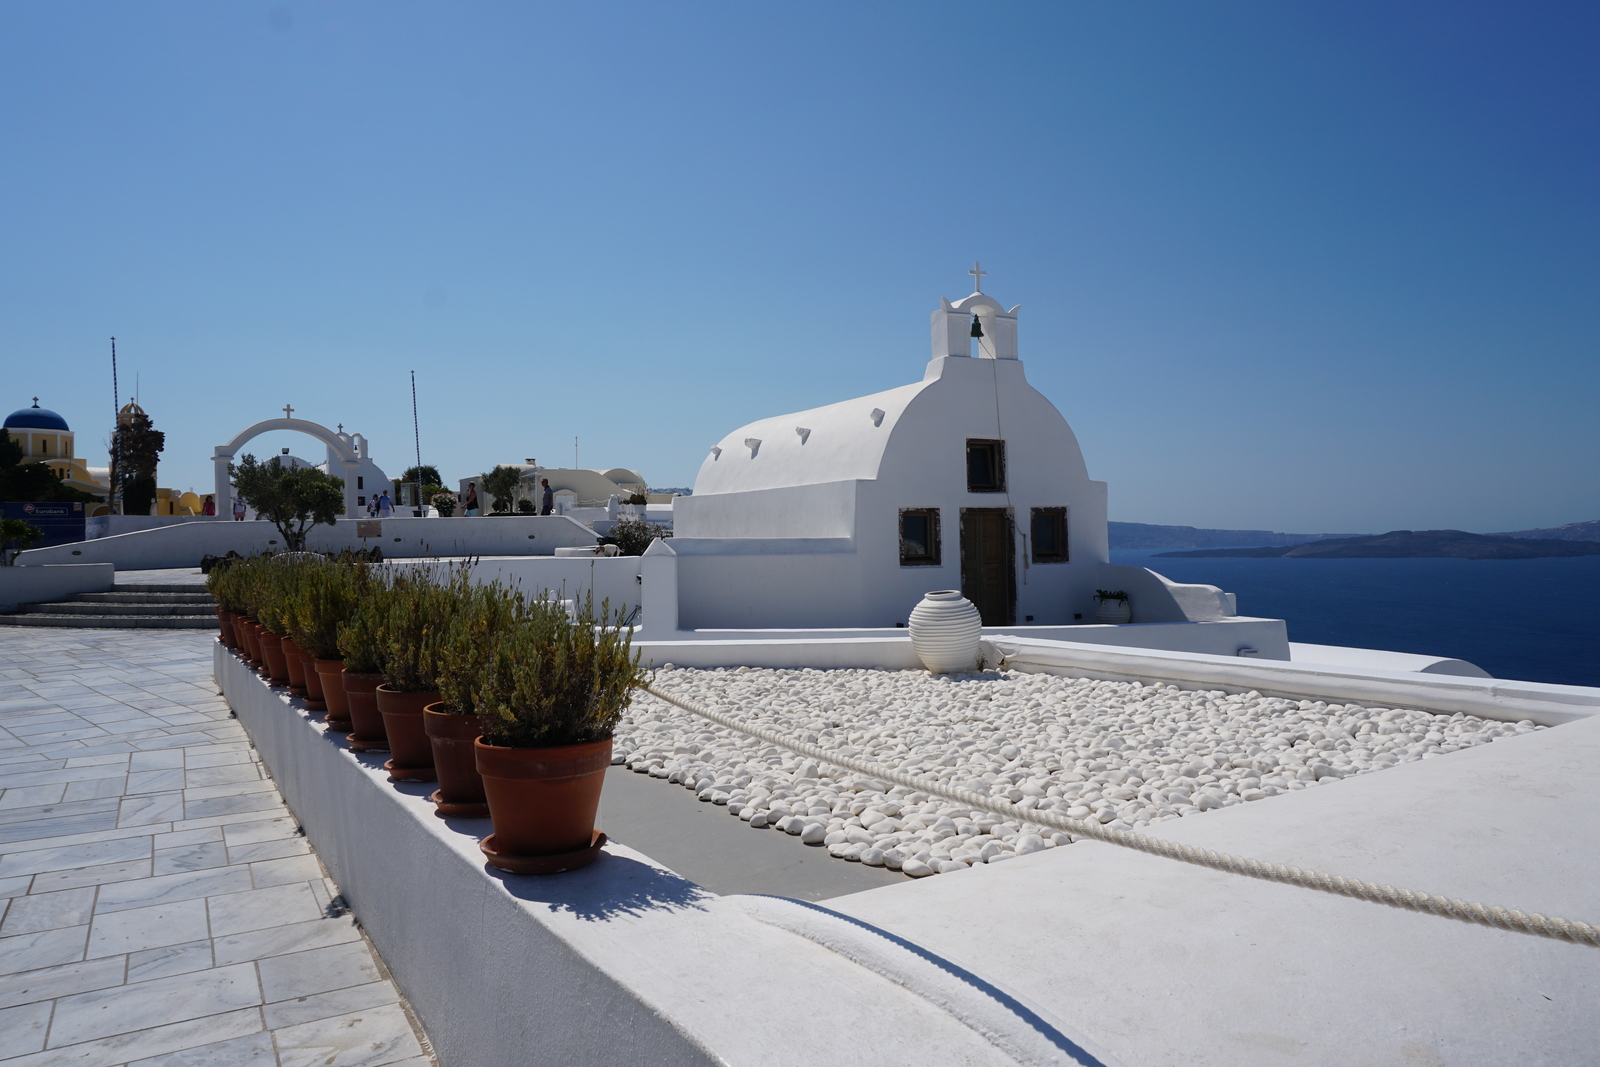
(1572, 531)
(1144, 535)
(1409, 544)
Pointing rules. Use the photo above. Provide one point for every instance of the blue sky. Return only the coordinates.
(1311, 267)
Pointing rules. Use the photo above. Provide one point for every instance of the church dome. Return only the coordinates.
(36, 418)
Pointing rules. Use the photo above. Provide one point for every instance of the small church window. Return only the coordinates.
(44, 446)
(919, 537)
(361, 481)
(986, 466)
(1049, 529)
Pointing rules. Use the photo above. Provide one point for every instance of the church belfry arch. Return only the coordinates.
(349, 448)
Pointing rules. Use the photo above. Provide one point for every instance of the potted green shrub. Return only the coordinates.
(328, 597)
(482, 613)
(417, 610)
(445, 502)
(552, 693)
(271, 606)
(360, 643)
(1113, 606)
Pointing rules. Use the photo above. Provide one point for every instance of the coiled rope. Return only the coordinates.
(1579, 933)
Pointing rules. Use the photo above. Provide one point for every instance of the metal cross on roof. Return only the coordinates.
(288, 412)
(977, 277)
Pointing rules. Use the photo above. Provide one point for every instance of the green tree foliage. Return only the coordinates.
(427, 474)
(27, 482)
(16, 535)
(292, 500)
(136, 447)
(501, 485)
(635, 535)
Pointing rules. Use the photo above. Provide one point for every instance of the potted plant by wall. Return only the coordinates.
(287, 580)
(359, 644)
(270, 607)
(444, 502)
(481, 614)
(224, 591)
(1113, 606)
(554, 689)
(329, 597)
(417, 612)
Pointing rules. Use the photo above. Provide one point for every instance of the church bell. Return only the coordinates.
(977, 329)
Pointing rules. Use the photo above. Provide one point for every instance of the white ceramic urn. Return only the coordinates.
(945, 628)
(1113, 611)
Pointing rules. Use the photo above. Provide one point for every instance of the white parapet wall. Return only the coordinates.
(184, 544)
(33, 585)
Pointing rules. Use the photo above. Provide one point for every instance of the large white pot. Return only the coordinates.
(1113, 611)
(945, 628)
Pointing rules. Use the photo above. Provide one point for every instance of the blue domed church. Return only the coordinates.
(46, 438)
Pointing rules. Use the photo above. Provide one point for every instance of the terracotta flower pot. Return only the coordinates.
(361, 693)
(225, 628)
(460, 792)
(245, 629)
(402, 723)
(543, 802)
(331, 671)
(296, 668)
(314, 698)
(272, 651)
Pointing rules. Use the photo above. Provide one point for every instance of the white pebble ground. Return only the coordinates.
(1121, 753)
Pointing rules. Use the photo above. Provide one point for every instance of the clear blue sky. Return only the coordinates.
(1311, 267)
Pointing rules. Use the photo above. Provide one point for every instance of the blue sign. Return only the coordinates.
(61, 523)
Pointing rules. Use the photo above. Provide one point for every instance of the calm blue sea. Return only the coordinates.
(1533, 619)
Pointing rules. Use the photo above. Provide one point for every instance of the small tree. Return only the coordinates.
(136, 447)
(17, 535)
(501, 485)
(635, 535)
(427, 474)
(292, 500)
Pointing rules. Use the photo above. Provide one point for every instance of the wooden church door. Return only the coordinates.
(986, 564)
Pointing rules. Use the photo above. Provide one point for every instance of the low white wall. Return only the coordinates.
(183, 545)
(622, 962)
(1490, 698)
(1218, 637)
(1377, 659)
(33, 585)
(109, 525)
(1154, 597)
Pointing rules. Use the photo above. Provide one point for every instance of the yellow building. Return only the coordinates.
(46, 438)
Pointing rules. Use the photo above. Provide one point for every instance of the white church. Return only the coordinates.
(970, 479)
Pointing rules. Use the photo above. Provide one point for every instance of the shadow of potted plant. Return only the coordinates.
(553, 691)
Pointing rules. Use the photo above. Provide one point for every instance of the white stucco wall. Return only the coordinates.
(850, 476)
(36, 585)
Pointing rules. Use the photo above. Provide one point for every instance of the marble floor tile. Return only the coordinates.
(318, 970)
(167, 888)
(169, 960)
(268, 850)
(252, 1050)
(326, 1005)
(22, 853)
(260, 908)
(365, 1038)
(232, 805)
(283, 871)
(229, 789)
(41, 829)
(155, 761)
(165, 780)
(60, 810)
(48, 983)
(99, 874)
(153, 927)
(193, 858)
(141, 1044)
(98, 761)
(278, 940)
(28, 952)
(96, 789)
(48, 911)
(33, 796)
(17, 885)
(222, 775)
(244, 833)
(151, 808)
(104, 1012)
(210, 756)
(23, 1028)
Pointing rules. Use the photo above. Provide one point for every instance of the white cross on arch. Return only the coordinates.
(288, 412)
(977, 277)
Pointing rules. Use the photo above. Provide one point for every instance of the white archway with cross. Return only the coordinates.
(338, 444)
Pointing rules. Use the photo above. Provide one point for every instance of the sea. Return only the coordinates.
(1530, 619)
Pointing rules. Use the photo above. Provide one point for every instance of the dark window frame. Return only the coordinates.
(1057, 515)
(996, 450)
(932, 556)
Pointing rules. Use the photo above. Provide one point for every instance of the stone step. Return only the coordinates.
(143, 598)
(160, 587)
(119, 622)
(76, 607)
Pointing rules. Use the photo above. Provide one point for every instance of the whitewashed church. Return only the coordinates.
(968, 479)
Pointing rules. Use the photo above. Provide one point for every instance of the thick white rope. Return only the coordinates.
(1579, 933)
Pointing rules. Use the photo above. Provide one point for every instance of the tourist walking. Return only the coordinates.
(470, 505)
(549, 501)
(385, 505)
(210, 506)
(238, 510)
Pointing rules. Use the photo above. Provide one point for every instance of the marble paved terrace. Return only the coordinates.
(157, 906)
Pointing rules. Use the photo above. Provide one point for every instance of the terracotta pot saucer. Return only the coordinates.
(358, 745)
(409, 774)
(450, 809)
(339, 726)
(552, 863)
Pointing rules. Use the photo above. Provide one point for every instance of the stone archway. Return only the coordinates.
(224, 454)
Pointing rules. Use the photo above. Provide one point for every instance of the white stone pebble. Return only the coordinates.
(1124, 754)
